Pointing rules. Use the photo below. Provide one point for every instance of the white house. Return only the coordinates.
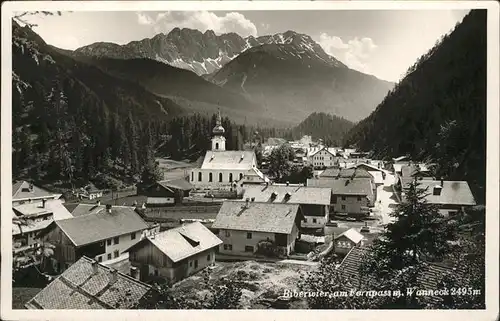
(314, 201)
(323, 157)
(245, 226)
(102, 234)
(222, 169)
(174, 254)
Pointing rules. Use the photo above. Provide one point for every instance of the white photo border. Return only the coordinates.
(492, 189)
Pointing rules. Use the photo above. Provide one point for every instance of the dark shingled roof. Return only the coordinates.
(346, 173)
(258, 217)
(344, 186)
(79, 287)
(180, 184)
(298, 194)
(429, 278)
(86, 229)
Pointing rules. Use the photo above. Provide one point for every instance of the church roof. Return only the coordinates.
(228, 160)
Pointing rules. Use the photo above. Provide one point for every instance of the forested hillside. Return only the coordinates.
(330, 128)
(438, 111)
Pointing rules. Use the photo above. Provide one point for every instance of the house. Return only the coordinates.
(24, 192)
(103, 234)
(221, 169)
(314, 201)
(322, 158)
(35, 217)
(174, 254)
(347, 240)
(245, 226)
(166, 192)
(450, 197)
(88, 285)
(349, 196)
(352, 173)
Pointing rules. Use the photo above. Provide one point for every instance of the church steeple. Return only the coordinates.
(218, 140)
(218, 129)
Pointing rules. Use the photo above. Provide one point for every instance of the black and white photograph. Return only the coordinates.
(249, 155)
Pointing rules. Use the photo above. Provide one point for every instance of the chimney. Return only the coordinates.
(94, 266)
(98, 202)
(134, 273)
(43, 203)
(246, 202)
(113, 275)
(287, 183)
(108, 208)
(442, 182)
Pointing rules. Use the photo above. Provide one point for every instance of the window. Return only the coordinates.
(334, 200)
(116, 240)
(220, 177)
(249, 248)
(192, 176)
(241, 176)
(99, 259)
(195, 264)
(116, 253)
(359, 198)
(249, 235)
(228, 234)
(210, 177)
(132, 236)
(343, 198)
(314, 220)
(343, 207)
(228, 247)
(216, 145)
(230, 177)
(191, 263)
(156, 272)
(208, 257)
(109, 256)
(199, 177)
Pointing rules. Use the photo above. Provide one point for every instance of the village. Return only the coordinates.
(225, 216)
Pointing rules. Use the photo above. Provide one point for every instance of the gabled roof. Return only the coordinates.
(86, 229)
(428, 278)
(230, 160)
(80, 287)
(328, 150)
(297, 195)
(369, 167)
(257, 217)
(352, 235)
(452, 192)
(346, 173)
(344, 186)
(180, 184)
(400, 158)
(54, 207)
(31, 226)
(86, 209)
(182, 242)
(21, 190)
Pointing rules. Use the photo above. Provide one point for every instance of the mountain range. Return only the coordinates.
(282, 72)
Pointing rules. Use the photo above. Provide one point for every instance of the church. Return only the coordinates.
(221, 168)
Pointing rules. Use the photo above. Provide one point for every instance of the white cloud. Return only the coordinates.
(200, 20)
(355, 53)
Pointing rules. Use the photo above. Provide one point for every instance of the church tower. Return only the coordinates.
(218, 140)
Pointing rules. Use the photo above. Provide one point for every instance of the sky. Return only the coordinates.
(383, 43)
